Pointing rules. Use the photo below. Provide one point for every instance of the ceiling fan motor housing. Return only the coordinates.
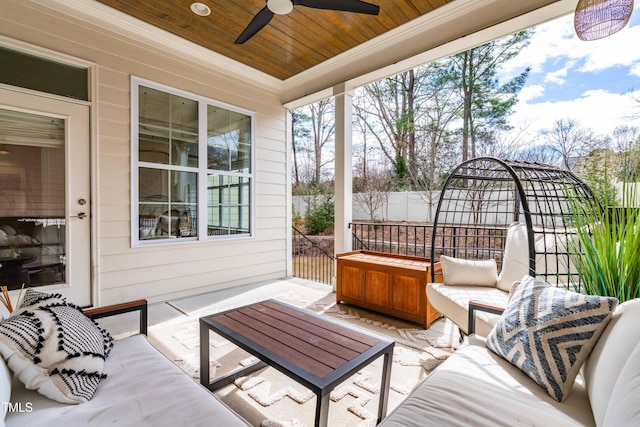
(280, 7)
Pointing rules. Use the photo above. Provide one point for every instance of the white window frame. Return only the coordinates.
(202, 170)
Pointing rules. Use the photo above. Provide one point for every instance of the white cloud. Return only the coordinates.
(529, 93)
(558, 76)
(548, 42)
(557, 42)
(598, 110)
(555, 53)
(620, 49)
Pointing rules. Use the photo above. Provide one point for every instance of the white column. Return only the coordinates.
(289, 151)
(343, 174)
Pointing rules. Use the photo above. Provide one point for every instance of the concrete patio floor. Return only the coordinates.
(180, 309)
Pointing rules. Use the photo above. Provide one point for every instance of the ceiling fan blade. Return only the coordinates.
(343, 5)
(258, 22)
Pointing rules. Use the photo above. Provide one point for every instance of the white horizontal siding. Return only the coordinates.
(162, 272)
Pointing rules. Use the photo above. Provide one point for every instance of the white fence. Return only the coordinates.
(410, 206)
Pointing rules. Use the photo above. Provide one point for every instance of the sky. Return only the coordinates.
(593, 82)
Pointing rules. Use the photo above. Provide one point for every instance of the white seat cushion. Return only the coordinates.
(454, 301)
(475, 387)
(142, 388)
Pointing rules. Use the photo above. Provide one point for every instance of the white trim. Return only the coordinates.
(133, 147)
(349, 67)
(536, 17)
(92, 81)
(103, 16)
(45, 53)
(391, 38)
(511, 26)
(201, 170)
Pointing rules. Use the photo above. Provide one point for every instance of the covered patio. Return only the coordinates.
(278, 70)
(177, 191)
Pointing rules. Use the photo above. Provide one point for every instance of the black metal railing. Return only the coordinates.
(471, 242)
(478, 242)
(310, 261)
(403, 239)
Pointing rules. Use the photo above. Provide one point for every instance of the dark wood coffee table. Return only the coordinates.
(315, 351)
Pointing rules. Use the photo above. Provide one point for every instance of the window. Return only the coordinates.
(45, 75)
(191, 166)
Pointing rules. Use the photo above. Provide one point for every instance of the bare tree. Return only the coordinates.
(538, 153)
(626, 140)
(505, 144)
(570, 141)
(322, 131)
(300, 135)
(389, 108)
(373, 192)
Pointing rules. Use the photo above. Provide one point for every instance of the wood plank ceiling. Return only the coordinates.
(289, 44)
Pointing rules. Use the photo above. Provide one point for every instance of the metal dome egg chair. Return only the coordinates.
(483, 196)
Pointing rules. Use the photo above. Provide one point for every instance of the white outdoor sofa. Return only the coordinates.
(476, 387)
(142, 388)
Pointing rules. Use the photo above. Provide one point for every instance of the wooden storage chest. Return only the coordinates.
(388, 283)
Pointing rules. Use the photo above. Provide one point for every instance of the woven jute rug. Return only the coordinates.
(269, 398)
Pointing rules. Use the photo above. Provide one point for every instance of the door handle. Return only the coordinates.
(81, 215)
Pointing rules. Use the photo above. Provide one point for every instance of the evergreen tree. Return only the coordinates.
(486, 102)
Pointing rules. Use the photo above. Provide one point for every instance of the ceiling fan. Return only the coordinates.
(282, 7)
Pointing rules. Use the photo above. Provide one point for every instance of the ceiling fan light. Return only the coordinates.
(280, 7)
(200, 9)
(596, 19)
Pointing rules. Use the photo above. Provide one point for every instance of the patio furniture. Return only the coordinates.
(478, 280)
(142, 388)
(316, 352)
(475, 386)
(516, 213)
(387, 283)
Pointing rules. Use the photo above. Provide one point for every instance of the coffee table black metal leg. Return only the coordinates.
(322, 410)
(226, 379)
(384, 386)
(204, 355)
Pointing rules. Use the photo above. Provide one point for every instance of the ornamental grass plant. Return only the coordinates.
(606, 254)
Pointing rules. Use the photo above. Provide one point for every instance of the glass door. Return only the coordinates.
(44, 194)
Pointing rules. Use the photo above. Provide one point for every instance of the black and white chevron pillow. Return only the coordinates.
(53, 348)
(548, 333)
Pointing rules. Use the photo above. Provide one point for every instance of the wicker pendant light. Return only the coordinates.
(596, 19)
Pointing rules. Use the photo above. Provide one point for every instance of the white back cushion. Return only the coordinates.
(605, 365)
(468, 272)
(624, 405)
(515, 261)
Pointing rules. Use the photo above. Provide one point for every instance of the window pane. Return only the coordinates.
(228, 205)
(31, 72)
(184, 131)
(167, 204)
(168, 128)
(228, 140)
(242, 124)
(32, 194)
